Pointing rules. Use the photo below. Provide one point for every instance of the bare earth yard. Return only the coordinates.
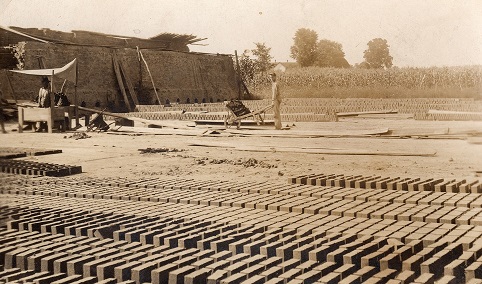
(113, 155)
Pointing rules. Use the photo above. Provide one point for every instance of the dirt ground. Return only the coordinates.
(113, 155)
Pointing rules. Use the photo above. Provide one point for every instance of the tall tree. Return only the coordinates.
(330, 54)
(378, 55)
(247, 66)
(263, 57)
(304, 47)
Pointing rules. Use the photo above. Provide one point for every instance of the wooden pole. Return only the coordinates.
(76, 108)
(51, 89)
(50, 123)
(238, 74)
(76, 103)
(10, 86)
(150, 75)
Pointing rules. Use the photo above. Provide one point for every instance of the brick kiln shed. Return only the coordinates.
(177, 74)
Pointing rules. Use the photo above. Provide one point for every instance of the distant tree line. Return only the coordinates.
(322, 71)
(308, 51)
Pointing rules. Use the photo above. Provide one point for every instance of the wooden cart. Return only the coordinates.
(237, 111)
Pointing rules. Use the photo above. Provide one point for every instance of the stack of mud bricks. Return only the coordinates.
(37, 168)
(448, 116)
(18, 152)
(391, 183)
(188, 231)
(318, 109)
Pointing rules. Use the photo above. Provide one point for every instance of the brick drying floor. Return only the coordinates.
(194, 216)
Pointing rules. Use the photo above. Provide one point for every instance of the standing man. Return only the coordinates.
(43, 100)
(276, 100)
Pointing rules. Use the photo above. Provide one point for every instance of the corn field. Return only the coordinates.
(379, 81)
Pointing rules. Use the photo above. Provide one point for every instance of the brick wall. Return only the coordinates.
(177, 76)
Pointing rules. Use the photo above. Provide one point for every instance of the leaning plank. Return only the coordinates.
(128, 83)
(119, 81)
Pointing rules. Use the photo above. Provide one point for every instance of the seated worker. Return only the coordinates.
(43, 100)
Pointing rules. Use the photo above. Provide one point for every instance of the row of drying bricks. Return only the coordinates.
(440, 116)
(19, 152)
(472, 200)
(323, 107)
(450, 208)
(285, 116)
(337, 253)
(430, 233)
(36, 168)
(395, 183)
(401, 230)
(94, 260)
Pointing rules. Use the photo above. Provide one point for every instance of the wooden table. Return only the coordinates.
(49, 115)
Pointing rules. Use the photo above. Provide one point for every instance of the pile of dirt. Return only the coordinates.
(251, 162)
(78, 135)
(158, 150)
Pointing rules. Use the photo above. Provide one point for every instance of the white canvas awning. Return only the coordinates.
(68, 72)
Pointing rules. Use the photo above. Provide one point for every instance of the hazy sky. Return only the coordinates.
(419, 32)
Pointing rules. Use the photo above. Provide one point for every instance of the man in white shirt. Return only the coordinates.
(276, 99)
(43, 100)
(44, 94)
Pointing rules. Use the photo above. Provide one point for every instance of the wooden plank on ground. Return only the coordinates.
(127, 130)
(341, 114)
(311, 150)
(301, 134)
